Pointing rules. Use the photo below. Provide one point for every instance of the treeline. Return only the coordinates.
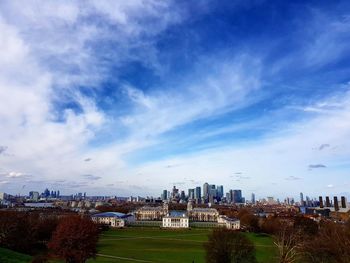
(60, 235)
(301, 239)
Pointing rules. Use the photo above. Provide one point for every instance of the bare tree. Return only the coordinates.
(288, 242)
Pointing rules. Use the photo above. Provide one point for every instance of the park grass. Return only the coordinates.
(167, 246)
(266, 250)
(9, 256)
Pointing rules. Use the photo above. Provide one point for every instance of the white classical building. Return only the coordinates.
(112, 219)
(229, 223)
(176, 220)
(202, 214)
(149, 213)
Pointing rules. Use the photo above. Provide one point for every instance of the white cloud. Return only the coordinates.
(48, 49)
(269, 161)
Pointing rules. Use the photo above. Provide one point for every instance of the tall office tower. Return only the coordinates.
(237, 196)
(165, 195)
(190, 194)
(212, 191)
(307, 202)
(182, 195)
(301, 199)
(58, 194)
(343, 202)
(220, 191)
(328, 203)
(231, 196)
(46, 193)
(253, 199)
(198, 194)
(175, 192)
(336, 204)
(321, 201)
(206, 191)
(228, 197)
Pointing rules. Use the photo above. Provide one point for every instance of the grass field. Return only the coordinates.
(167, 246)
(9, 256)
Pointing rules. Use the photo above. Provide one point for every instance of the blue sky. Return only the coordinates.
(131, 97)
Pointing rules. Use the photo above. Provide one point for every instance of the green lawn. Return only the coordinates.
(9, 256)
(166, 246)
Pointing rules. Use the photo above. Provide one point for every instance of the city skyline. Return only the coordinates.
(133, 97)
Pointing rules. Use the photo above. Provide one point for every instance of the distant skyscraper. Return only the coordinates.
(165, 195)
(253, 198)
(197, 194)
(237, 196)
(182, 195)
(46, 193)
(228, 197)
(206, 191)
(191, 194)
(220, 191)
(175, 192)
(301, 199)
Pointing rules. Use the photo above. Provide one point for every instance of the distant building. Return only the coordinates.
(175, 220)
(220, 191)
(197, 194)
(229, 223)
(328, 203)
(112, 219)
(321, 201)
(202, 214)
(301, 199)
(343, 202)
(3, 196)
(336, 204)
(34, 195)
(253, 199)
(237, 196)
(206, 191)
(190, 194)
(165, 195)
(149, 213)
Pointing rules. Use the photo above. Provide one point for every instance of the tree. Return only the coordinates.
(15, 231)
(288, 241)
(331, 244)
(228, 246)
(306, 225)
(248, 220)
(75, 239)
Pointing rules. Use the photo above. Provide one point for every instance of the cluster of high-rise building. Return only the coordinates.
(209, 193)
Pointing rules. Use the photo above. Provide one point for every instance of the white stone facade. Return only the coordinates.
(229, 223)
(175, 222)
(111, 221)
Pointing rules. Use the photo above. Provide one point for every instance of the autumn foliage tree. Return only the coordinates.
(228, 246)
(75, 239)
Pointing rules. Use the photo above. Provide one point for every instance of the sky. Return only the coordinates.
(132, 97)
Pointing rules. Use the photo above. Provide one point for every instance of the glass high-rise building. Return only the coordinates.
(197, 193)
(220, 191)
(206, 191)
